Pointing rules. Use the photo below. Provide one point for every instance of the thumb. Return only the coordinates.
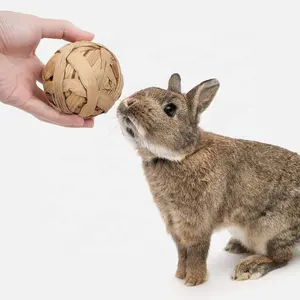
(62, 29)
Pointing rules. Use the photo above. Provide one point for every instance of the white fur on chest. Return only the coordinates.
(254, 242)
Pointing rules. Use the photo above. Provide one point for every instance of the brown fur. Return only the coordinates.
(202, 181)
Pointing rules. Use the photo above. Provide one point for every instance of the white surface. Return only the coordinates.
(76, 218)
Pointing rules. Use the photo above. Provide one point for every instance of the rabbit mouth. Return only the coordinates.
(130, 131)
(129, 124)
(129, 127)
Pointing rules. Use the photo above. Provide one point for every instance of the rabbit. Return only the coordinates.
(202, 182)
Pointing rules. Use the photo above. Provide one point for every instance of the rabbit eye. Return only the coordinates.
(170, 109)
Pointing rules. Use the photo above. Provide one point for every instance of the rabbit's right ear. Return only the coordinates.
(200, 97)
(175, 83)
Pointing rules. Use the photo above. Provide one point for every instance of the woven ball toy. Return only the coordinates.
(82, 78)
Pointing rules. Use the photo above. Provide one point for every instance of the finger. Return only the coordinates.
(44, 112)
(85, 125)
(89, 123)
(61, 29)
(39, 94)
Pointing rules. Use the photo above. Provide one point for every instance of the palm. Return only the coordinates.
(24, 67)
(25, 72)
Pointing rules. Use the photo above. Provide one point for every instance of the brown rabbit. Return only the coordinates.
(202, 182)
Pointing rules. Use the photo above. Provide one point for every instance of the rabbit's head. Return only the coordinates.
(165, 122)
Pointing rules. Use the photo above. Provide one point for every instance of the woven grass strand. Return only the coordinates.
(83, 78)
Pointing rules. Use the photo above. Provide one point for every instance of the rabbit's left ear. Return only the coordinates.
(175, 83)
(200, 97)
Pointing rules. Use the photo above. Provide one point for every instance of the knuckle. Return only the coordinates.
(67, 24)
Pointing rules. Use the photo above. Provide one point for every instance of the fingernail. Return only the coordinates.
(80, 121)
(88, 32)
(88, 125)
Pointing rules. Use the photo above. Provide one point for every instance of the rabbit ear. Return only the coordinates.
(201, 96)
(175, 83)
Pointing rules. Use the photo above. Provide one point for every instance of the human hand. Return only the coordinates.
(21, 69)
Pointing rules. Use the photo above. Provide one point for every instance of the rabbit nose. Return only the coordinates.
(129, 101)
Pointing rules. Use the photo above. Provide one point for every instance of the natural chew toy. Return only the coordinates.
(82, 78)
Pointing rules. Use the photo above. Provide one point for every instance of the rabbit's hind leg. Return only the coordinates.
(279, 251)
(236, 247)
(282, 246)
(255, 266)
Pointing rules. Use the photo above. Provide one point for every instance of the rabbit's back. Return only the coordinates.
(265, 175)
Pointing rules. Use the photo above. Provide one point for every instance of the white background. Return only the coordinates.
(77, 220)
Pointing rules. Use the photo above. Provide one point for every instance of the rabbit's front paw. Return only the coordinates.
(192, 281)
(180, 273)
(194, 277)
(236, 247)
